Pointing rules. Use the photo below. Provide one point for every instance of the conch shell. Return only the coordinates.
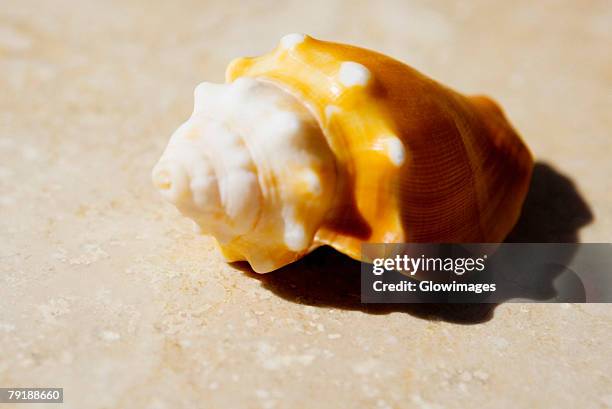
(320, 143)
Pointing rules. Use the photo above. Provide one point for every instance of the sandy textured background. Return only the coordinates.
(107, 292)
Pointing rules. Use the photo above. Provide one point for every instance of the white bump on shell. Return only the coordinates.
(202, 94)
(395, 150)
(352, 73)
(295, 237)
(312, 181)
(390, 237)
(171, 180)
(331, 110)
(291, 40)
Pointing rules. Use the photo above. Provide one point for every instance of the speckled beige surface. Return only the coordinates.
(107, 292)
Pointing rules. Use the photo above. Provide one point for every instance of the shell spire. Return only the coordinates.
(339, 145)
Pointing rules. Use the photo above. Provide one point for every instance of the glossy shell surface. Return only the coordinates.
(416, 161)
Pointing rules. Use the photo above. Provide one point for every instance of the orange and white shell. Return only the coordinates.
(319, 143)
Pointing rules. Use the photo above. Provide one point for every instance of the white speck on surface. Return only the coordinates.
(465, 376)
(6, 327)
(289, 41)
(265, 397)
(13, 40)
(27, 362)
(366, 367)
(391, 339)
(185, 343)
(30, 153)
(381, 404)
(92, 252)
(352, 74)
(481, 375)
(54, 309)
(60, 255)
(270, 359)
(6, 143)
(6, 173)
(309, 309)
(421, 403)
(66, 358)
(500, 343)
(320, 327)
(110, 336)
(7, 200)
(369, 390)
(334, 336)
